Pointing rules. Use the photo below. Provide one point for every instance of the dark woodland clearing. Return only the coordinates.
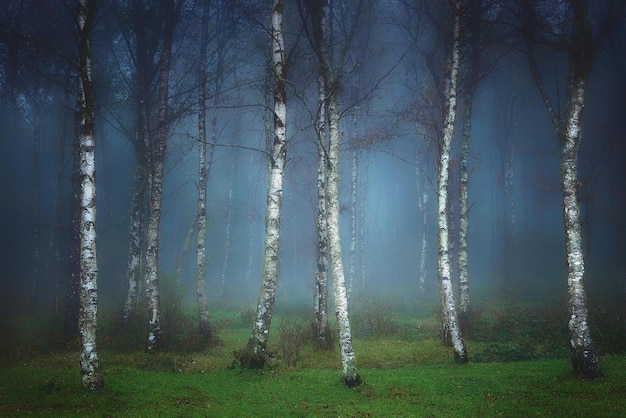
(359, 208)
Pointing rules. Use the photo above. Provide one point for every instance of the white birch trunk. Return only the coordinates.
(581, 53)
(156, 167)
(90, 371)
(257, 344)
(450, 324)
(348, 360)
(349, 370)
(464, 294)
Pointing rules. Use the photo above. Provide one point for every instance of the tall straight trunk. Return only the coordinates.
(451, 329)
(89, 367)
(204, 325)
(136, 239)
(257, 344)
(320, 309)
(156, 172)
(464, 293)
(348, 360)
(349, 370)
(584, 354)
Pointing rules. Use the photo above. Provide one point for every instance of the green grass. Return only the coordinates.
(405, 369)
(49, 386)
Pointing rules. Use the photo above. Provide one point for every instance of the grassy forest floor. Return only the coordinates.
(518, 367)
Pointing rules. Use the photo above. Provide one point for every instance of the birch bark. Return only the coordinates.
(90, 371)
(450, 323)
(257, 344)
(349, 370)
(156, 167)
(320, 309)
(581, 51)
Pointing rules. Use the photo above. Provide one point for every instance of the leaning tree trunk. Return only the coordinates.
(256, 351)
(581, 49)
(89, 367)
(450, 323)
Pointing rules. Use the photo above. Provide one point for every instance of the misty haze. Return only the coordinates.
(313, 208)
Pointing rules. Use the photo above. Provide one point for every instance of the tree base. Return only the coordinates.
(93, 382)
(461, 358)
(586, 363)
(251, 357)
(353, 382)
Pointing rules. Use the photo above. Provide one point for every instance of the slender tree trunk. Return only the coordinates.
(348, 360)
(204, 325)
(584, 355)
(135, 246)
(464, 293)
(257, 344)
(90, 370)
(349, 370)
(450, 323)
(156, 167)
(320, 314)
(582, 50)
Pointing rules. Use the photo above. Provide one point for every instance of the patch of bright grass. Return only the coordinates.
(405, 374)
(50, 387)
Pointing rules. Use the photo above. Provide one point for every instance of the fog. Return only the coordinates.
(397, 159)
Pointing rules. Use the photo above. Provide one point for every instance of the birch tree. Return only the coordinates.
(571, 32)
(204, 326)
(256, 353)
(331, 86)
(450, 323)
(89, 366)
(155, 155)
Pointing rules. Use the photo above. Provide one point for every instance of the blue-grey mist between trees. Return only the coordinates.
(308, 154)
